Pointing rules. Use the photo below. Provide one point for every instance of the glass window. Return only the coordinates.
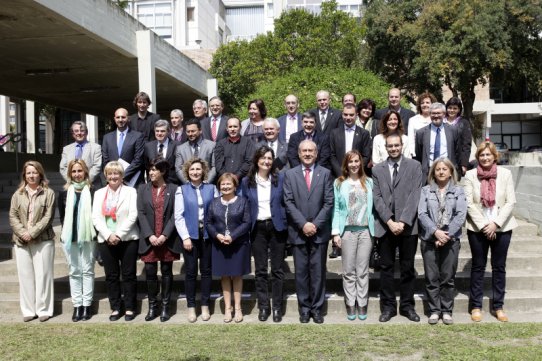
(190, 16)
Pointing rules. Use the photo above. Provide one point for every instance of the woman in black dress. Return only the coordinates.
(228, 225)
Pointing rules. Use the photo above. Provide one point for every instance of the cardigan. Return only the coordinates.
(340, 209)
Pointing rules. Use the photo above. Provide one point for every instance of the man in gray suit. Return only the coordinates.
(438, 140)
(308, 196)
(271, 130)
(196, 147)
(90, 152)
(396, 193)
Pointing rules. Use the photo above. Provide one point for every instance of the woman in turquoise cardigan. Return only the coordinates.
(353, 224)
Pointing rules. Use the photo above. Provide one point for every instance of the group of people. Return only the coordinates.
(219, 190)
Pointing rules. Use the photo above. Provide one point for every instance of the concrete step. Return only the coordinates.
(516, 301)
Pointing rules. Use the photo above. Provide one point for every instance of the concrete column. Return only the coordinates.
(92, 125)
(145, 65)
(4, 115)
(30, 127)
(49, 135)
(212, 88)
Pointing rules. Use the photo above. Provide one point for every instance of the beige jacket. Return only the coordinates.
(505, 199)
(44, 210)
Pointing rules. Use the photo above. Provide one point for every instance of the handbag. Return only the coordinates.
(374, 260)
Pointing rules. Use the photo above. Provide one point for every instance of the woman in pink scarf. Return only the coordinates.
(490, 197)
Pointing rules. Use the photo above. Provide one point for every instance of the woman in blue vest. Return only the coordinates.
(191, 203)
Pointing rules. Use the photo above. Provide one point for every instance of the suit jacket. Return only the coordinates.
(278, 212)
(147, 127)
(333, 120)
(405, 114)
(322, 144)
(505, 200)
(133, 150)
(282, 121)
(92, 155)
(221, 132)
(304, 206)
(206, 151)
(151, 151)
(423, 148)
(127, 228)
(281, 156)
(405, 192)
(361, 143)
(146, 214)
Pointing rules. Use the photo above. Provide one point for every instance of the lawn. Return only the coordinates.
(273, 342)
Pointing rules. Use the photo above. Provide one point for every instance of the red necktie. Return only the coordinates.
(308, 178)
(213, 130)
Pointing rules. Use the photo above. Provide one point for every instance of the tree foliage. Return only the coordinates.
(301, 39)
(305, 82)
(419, 44)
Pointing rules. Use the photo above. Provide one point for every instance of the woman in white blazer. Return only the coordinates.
(490, 197)
(114, 214)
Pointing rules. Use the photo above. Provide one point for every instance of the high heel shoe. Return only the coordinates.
(238, 315)
(227, 315)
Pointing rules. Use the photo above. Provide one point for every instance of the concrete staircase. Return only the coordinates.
(524, 285)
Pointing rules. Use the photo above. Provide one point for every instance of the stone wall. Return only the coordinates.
(528, 184)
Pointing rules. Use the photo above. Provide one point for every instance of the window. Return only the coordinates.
(190, 14)
(157, 16)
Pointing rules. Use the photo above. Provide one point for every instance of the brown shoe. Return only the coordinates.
(501, 316)
(476, 314)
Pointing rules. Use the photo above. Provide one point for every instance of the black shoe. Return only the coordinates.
(115, 316)
(386, 316)
(277, 315)
(129, 316)
(166, 296)
(317, 317)
(263, 315)
(335, 252)
(152, 314)
(304, 317)
(77, 313)
(87, 313)
(411, 315)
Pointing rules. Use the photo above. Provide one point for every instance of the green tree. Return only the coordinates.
(305, 82)
(419, 45)
(301, 39)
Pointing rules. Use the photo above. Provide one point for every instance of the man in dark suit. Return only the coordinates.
(234, 153)
(396, 192)
(271, 130)
(199, 107)
(327, 118)
(127, 146)
(438, 140)
(349, 137)
(162, 147)
(214, 127)
(290, 122)
(309, 132)
(394, 103)
(195, 147)
(308, 197)
(143, 121)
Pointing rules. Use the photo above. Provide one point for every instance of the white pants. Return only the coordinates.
(81, 266)
(35, 262)
(356, 250)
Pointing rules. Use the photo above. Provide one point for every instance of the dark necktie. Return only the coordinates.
(393, 178)
(161, 150)
(436, 154)
(196, 150)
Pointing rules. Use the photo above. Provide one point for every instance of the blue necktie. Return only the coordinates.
(78, 151)
(436, 153)
(121, 142)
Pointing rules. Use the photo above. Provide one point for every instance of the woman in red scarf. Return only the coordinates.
(490, 198)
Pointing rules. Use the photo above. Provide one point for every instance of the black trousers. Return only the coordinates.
(310, 275)
(201, 251)
(407, 250)
(120, 260)
(268, 244)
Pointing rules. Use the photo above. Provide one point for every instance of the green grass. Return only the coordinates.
(273, 342)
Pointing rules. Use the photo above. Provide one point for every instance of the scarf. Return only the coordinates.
(488, 185)
(85, 229)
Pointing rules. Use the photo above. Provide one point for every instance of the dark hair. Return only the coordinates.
(455, 101)
(384, 123)
(309, 114)
(344, 168)
(192, 121)
(142, 96)
(423, 96)
(260, 152)
(366, 103)
(161, 165)
(261, 107)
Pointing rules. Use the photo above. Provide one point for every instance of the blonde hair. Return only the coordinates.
(44, 183)
(448, 163)
(83, 165)
(487, 145)
(114, 166)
